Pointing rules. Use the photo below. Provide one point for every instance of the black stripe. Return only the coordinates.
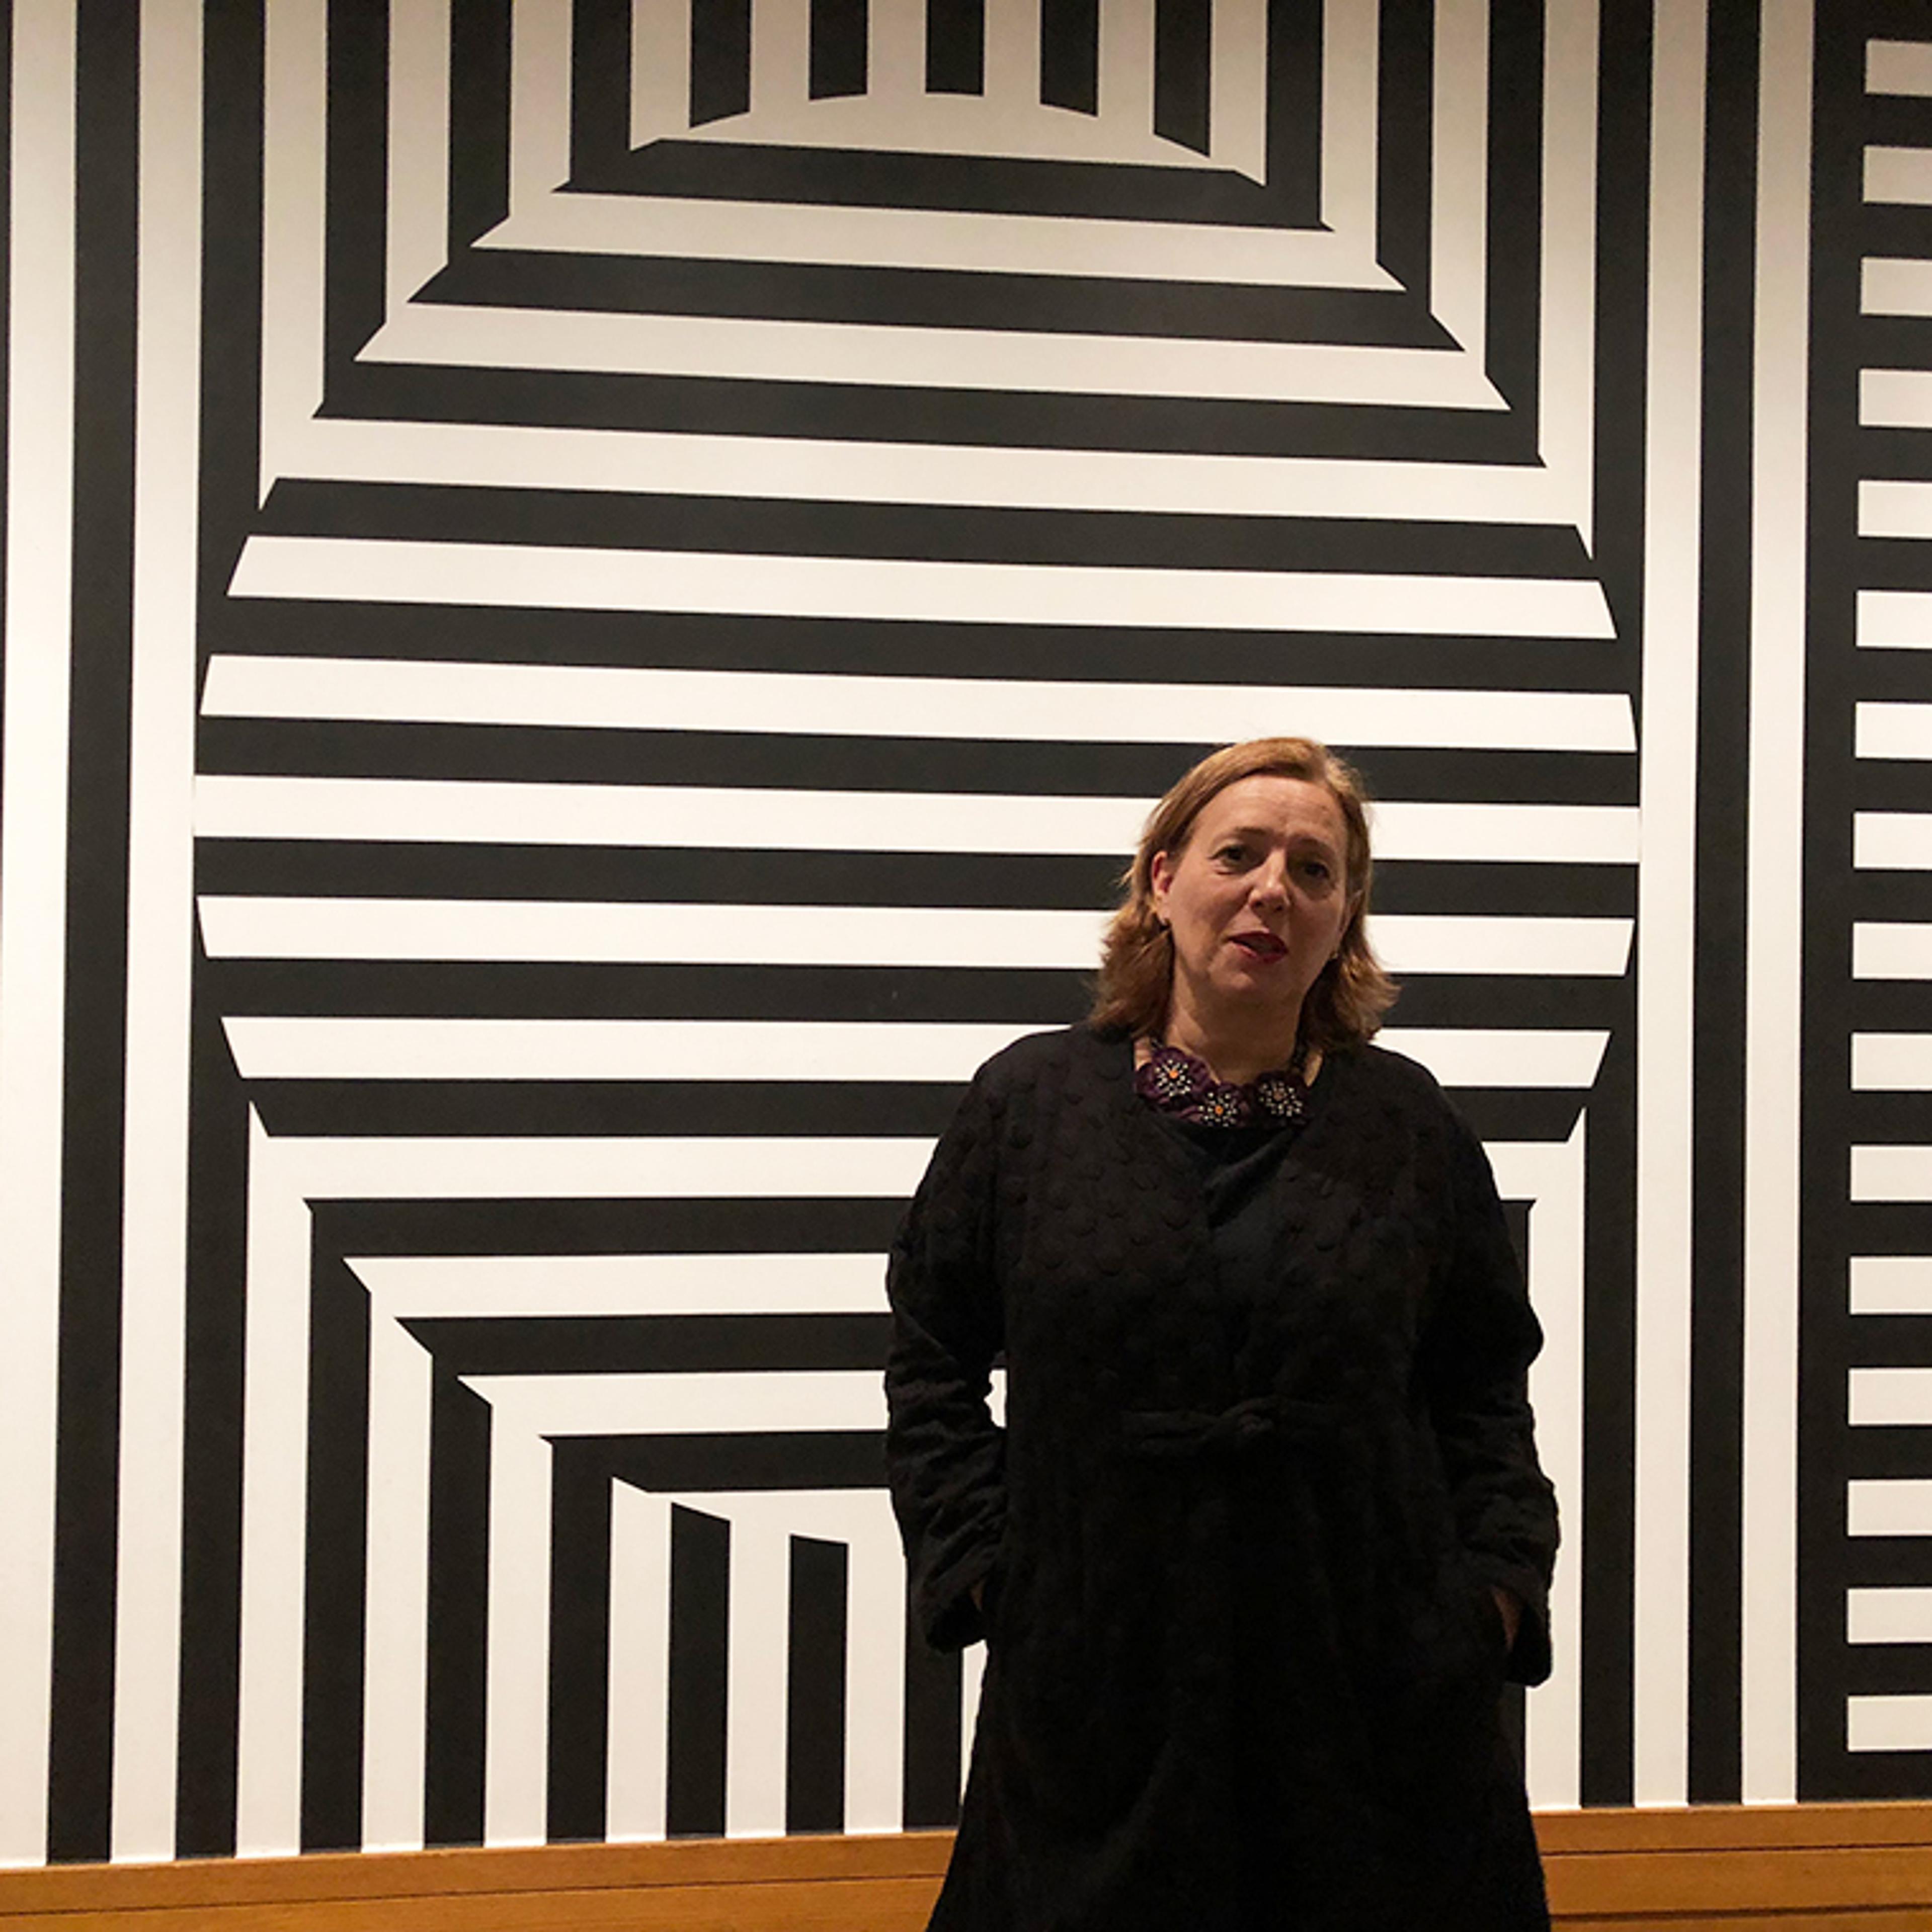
(815, 1687)
(1069, 54)
(1893, 784)
(479, 118)
(929, 1792)
(838, 58)
(721, 59)
(336, 1575)
(592, 519)
(1294, 104)
(1405, 136)
(596, 1344)
(1716, 1580)
(956, 46)
(600, 86)
(1183, 39)
(1830, 1228)
(817, 1459)
(328, 747)
(80, 1761)
(580, 1641)
(1892, 1341)
(700, 1608)
(344, 628)
(357, 200)
(458, 1643)
(1514, 296)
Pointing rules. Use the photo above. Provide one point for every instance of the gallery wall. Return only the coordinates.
(594, 596)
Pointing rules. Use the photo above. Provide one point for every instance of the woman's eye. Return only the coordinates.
(1232, 855)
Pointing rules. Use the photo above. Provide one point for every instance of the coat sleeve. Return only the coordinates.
(945, 1457)
(1481, 1338)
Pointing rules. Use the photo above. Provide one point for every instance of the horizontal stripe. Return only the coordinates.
(1897, 1722)
(1898, 176)
(1890, 508)
(1894, 731)
(1889, 1506)
(598, 697)
(894, 589)
(1891, 1173)
(520, 456)
(1016, 243)
(706, 1284)
(607, 1167)
(349, 1049)
(1893, 285)
(1889, 1397)
(1896, 398)
(468, 811)
(481, 929)
(707, 1402)
(1010, 361)
(1892, 1063)
(1884, 950)
(1891, 1284)
(1892, 841)
(1895, 619)
(1889, 1616)
(1898, 67)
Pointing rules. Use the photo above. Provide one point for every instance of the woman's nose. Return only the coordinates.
(1270, 885)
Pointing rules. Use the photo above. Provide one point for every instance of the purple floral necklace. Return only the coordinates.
(1177, 1082)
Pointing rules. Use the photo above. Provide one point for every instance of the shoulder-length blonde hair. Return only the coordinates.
(1346, 1003)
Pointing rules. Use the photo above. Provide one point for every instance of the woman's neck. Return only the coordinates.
(1236, 1052)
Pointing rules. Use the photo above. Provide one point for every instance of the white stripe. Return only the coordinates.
(1566, 361)
(1892, 841)
(1459, 175)
(875, 1695)
(33, 886)
(682, 1403)
(1895, 398)
(780, 62)
(516, 1746)
(1011, 57)
(1898, 67)
(1895, 619)
(1889, 1506)
(294, 219)
(660, 70)
(1889, 286)
(1238, 76)
(335, 1048)
(539, 104)
(1891, 952)
(1892, 1063)
(402, 1286)
(1351, 60)
(1003, 244)
(1888, 508)
(589, 696)
(160, 939)
(1774, 936)
(1889, 1397)
(640, 1678)
(608, 1168)
(1890, 1722)
(1886, 731)
(1889, 1616)
(1891, 1284)
(1667, 903)
(311, 1049)
(417, 205)
(909, 591)
(1892, 1174)
(487, 812)
(521, 456)
(491, 929)
(1898, 176)
(758, 1654)
(275, 1505)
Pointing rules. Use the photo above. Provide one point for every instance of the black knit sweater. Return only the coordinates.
(1235, 1539)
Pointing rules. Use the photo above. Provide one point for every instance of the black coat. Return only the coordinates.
(1234, 1550)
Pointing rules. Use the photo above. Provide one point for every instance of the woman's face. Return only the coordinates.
(1256, 899)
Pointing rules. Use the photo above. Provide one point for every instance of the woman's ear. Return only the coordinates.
(1160, 877)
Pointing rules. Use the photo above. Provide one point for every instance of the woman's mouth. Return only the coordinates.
(1260, 946)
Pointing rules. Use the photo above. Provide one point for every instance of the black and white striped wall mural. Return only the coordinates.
(594, 596)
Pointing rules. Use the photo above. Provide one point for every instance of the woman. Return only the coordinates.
(1264, 1533)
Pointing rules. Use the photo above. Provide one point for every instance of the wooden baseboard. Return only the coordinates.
(1802, 1868)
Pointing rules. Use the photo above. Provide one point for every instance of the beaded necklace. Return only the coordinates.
(1179, 1083)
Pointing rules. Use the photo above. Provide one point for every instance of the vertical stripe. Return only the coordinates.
(1666, 903)
(33, 883)
(1566, 361)
(815, 1673)
(1458, 264)
(955, 45)
(931, 1749)
(478, 163)
(1773, 957)
(107, 102)
(1350, 58)
(700, 1592)
(754, 1723)
(294, 229)
(1238, 63)
(579, 1640)
(418, 146)
(458, 1633)
(721, 69)
(640, 1648)
(517, 1696)
(839, 38)
(539, 99)
(1069, 54)
(875, 1698)
(160, 939)
(1183, 49)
